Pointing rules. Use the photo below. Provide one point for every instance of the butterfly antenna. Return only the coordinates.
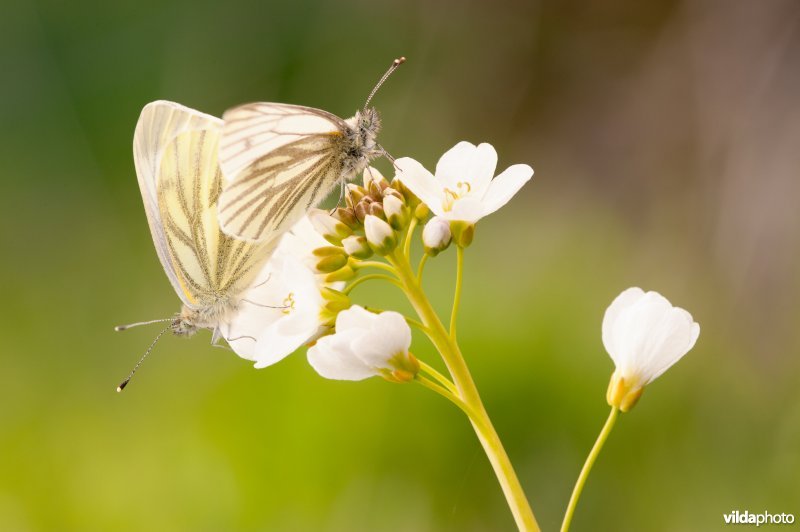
(130, 325)
(396, 63)
(124, 383)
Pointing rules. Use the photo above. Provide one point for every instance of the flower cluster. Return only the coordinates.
(307, 273)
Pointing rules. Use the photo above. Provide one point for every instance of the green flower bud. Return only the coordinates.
(329, 227)
(330, 259)
(421, 211)
(380, 235)
(463, 233)
(357, 247)
(397, 213)
(342, 274)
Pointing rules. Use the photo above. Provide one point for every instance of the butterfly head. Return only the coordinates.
(192, 319)
(366, 124)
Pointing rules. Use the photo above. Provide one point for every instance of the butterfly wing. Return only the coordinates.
(279, 160)
(175, 151)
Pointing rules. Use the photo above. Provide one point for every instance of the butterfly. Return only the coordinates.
(280, 160)
(175, 153)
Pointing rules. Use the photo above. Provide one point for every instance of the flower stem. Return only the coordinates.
(374, 264)
(447, 394)
(421, 267)
(418, 325)
(407, 243)
(375, 276)
(444, 381)
(467, 393)
(587, 467)
(457, 295)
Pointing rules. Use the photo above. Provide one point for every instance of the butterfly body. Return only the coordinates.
(279, 160)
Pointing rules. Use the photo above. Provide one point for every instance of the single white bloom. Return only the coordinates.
(436, 235)
(364, 345)
(282, 310)
(380, 235)
(463, 188)
(644, 335)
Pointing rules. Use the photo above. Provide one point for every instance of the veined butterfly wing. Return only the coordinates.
(280, 160)
(175, 152)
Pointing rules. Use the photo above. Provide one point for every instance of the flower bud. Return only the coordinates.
(411, 199)
(329, 227)
(436, 236)
(376, 209)
(329, 259)
(335, 297)
(380, 235)
(463, 233)
(392, 192)
(353, 194)
(374, 177)
(421, 211)
(397, 213)
(342, 274)
(361, 210)
(357, 247)
(347, 217)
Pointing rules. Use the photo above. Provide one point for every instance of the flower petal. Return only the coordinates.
(676, 335)
(469, 209)
(332, 358)
(503, 187)
(624, 300)
(467, 163)
(355, 317)
(389, 335)
(421, 182)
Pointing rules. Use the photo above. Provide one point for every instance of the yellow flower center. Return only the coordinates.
(450, 196)
(288, 304)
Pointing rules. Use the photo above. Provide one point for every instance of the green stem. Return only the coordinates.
(421, 267)
(468, 393)
(407, 243)
(358, 265)
(457, 295)
(418, 325)
(447, 394)
(372, 276)
(438, 376)
(587, 467)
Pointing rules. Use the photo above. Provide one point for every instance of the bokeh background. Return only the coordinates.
(666, 141)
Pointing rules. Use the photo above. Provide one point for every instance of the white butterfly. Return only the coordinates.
(280, 160)
(175, 152)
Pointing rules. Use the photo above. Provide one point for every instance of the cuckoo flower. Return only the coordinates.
(645, 335)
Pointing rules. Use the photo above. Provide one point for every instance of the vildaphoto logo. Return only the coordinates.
(764, 518)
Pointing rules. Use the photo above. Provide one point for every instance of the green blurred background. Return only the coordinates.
(666, 142)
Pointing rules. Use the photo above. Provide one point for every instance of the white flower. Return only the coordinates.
(380, 235)
(463, 188)
(436, 235)
(283, 309)
(645, 335)
(365, 345)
